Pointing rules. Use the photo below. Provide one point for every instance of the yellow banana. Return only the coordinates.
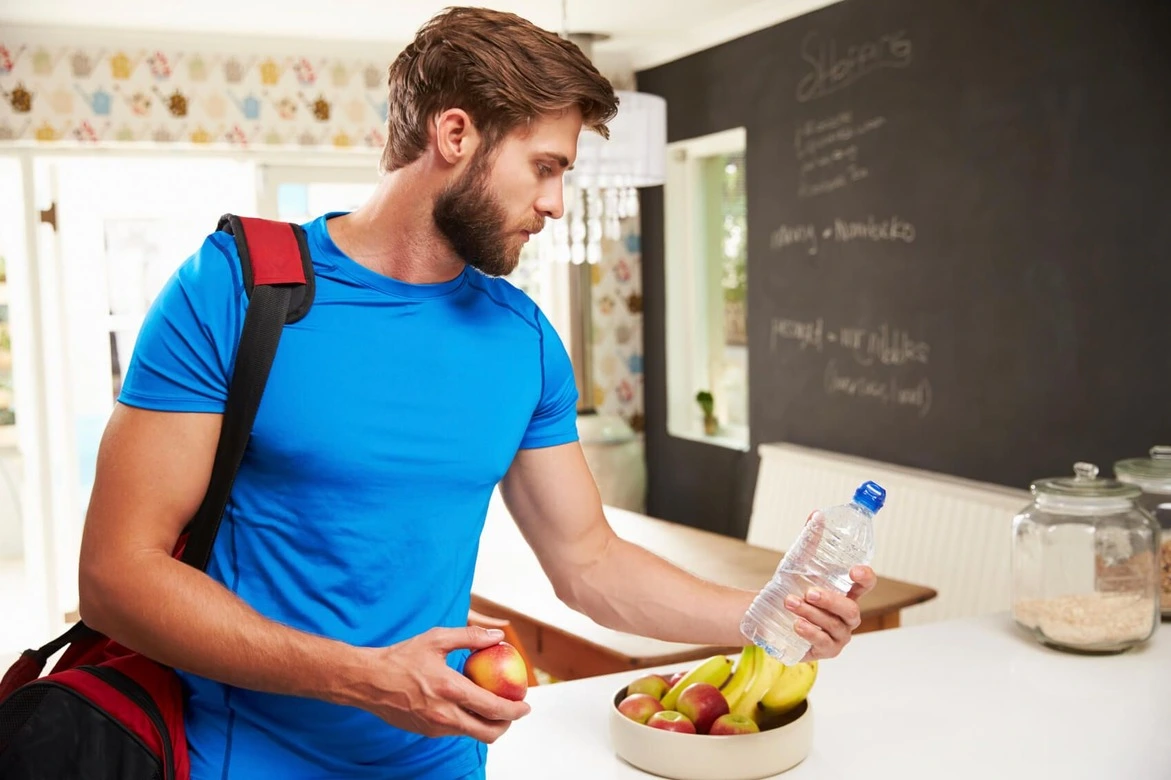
(789, 690)
(742, 675)
(768, 669)
(714, 670)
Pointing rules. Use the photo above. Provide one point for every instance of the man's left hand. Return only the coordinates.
(826, 618)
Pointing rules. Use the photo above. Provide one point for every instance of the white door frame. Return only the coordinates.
(36, 325)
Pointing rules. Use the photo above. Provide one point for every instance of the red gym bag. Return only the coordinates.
(106, 712)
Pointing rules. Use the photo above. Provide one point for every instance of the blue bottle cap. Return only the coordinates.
(870, 495)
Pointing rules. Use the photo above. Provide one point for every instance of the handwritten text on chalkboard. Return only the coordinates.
(884, 344)
(832, 71)
(916, 394)
(830, 151)
(883, 230)
(882, 357)
(812, 136)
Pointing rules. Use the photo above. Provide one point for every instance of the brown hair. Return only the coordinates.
(502, 69)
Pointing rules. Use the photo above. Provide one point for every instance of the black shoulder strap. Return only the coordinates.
(278, 275)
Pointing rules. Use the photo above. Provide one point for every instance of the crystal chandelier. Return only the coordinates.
(601, 190)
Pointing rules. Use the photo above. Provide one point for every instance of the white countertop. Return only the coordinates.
(945, 701)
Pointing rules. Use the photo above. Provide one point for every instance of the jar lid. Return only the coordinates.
(1153, 473)
(1086, 485)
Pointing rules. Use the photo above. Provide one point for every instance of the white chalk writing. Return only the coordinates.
(885, 345)
(831, 71)
(889, 346)
(892, 229)
(836, 157)
(812, 136)
(829, 152)
(794, 235)
(915, 394)
(807, 334)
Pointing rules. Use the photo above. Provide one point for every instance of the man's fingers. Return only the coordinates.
(456, 721)
(822, 644)
(864, 581)
(484, 703)
(825, 617)
(469, 637)
(837, 605)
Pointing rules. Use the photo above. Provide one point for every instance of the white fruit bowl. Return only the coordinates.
(680, 756)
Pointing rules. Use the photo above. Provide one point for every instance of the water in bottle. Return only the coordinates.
(832, 542)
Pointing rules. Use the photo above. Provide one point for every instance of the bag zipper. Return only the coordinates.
(129, 687)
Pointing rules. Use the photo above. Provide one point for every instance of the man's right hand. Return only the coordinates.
(410, 686)
(152, 471)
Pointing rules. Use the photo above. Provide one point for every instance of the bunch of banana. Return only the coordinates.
(789, 690)
(762, 688)
(715, 670)
(741, 676)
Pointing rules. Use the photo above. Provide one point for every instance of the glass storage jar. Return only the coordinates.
(1084, 565)
(1153, 476)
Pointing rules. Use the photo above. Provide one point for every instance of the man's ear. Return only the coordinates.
(456, 137)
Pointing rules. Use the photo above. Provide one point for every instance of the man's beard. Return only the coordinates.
(472, 220)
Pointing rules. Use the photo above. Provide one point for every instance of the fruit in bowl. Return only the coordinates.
(702, 703)
(718, 720)
(652, 684)
(732, 724)
(670, 720)
(639, 707)
(757, 688)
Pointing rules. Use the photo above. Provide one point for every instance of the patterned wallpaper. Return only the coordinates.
(617, 320)
(95, 93)
(100, 92)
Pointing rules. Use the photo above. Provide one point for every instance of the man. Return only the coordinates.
(327, 636)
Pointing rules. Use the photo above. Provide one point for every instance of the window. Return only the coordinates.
(300, 193)
(707, 283)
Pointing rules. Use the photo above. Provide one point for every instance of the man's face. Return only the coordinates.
(489, 212)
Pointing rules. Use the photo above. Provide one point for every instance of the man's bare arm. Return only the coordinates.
(552, 495)
(153, 469)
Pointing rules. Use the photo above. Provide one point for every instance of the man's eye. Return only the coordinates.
(544, 170)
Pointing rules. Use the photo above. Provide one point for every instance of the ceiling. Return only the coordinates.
(643, 33)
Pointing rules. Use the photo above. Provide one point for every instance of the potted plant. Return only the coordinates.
(710, 424)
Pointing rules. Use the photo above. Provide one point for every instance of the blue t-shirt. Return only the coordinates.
(391, 412)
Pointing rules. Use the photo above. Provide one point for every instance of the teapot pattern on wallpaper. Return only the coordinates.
(149, 96)
(617, 336)
(126, 95)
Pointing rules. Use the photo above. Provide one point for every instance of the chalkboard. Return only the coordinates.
(959, 218)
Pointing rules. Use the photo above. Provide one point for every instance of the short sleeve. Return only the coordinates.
(555, 419)
(183, 355)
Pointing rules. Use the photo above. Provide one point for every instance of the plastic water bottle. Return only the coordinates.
(832, 542)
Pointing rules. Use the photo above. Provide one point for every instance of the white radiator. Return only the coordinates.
(950, 534)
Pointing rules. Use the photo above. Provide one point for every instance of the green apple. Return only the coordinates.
(652, 684)
(731, 724)
(670, 720)
(639, 707)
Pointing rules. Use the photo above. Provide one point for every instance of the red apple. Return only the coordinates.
(731, 724)
(670, 720)
(701, 703)
(676, 677)
(654, 684)
(499, 669)
(640, 706)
